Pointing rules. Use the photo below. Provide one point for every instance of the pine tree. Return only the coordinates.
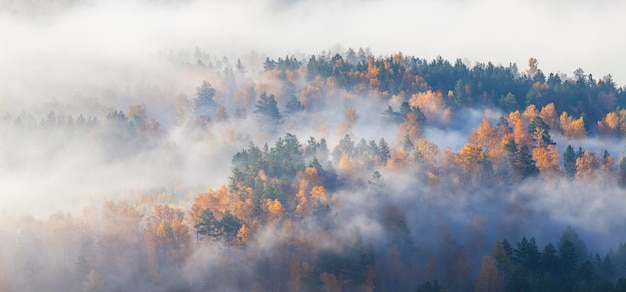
(569, 162)
(204, 104)
(266, 106)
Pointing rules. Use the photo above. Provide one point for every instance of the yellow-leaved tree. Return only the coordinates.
(547, 159)
(587, 165)
(572, 128)
(548, 115)
(432, 105)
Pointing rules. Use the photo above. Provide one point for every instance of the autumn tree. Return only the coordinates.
(489, 278)
(532, 67)
(548, 115)
(167, 238)
(572, 128)
(410, 127)
(182, 108)
(487, 137)
(539, 132)
(547, 159)
(350, 118)
(432, 105)
(587, 165)
(468, 159)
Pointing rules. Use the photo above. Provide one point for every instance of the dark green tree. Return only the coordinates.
(204, 105)
(569, 162)
(537, 124)
(383, 151)
(508, 102)
(230, 225)
(208, 226)
(266, 106)
(293, 105)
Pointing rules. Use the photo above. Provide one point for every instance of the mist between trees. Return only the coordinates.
(336, 171)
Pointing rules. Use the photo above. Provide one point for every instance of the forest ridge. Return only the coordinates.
(334, 181)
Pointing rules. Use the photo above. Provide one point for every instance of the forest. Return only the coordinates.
(338, 171)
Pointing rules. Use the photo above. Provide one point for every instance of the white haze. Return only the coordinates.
(118, 39)
(103, 55)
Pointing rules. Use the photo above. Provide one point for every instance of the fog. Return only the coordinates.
(147, 58)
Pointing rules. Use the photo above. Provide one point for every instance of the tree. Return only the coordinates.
(468, 159)
(383, 151)
(489, 278)
(293, 105)
(508, 102)
(410, 126)
(266, 106)
(208, 225)
(407, 144)
(93, 283)
(503, 257)
(230, 226)
(376, 180)
(547, 159)
(569, 162)
(532, 67)
(527, 254)
(572, 128)
(350, 118)
(539, 131)
(204, 105)
(587, 165)
(167, 239)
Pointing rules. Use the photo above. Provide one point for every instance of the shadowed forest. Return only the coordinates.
(340, 171)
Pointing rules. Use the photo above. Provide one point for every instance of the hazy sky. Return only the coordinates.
(562, 35)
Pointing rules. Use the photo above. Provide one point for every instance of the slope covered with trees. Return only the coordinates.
(338, 175)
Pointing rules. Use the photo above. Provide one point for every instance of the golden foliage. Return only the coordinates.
(468, 158)
(350, 118)
(529, 113)
(487, 137)
(167, 232)
(432, 105)
(244, 210)
(608, 165)
(519, 130)
(410, 127)
(319, 193)
(548, 115)
(587, 165)
(572, 128)
(489, 278)
(221, 115)
(429, 151)
(547, 159)
(242, 234)
(610, 125)
(345, 163)
(275, 210)
(215, 200)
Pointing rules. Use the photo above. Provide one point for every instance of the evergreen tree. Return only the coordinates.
(293, 105)
(408, 145)
(383, 151)
(569, 162)
(266, 106)
(537, 124)
(204, 105)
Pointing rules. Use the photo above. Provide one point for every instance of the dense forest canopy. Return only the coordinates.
(334, 171)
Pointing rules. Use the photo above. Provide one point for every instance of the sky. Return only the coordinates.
(64, 41)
